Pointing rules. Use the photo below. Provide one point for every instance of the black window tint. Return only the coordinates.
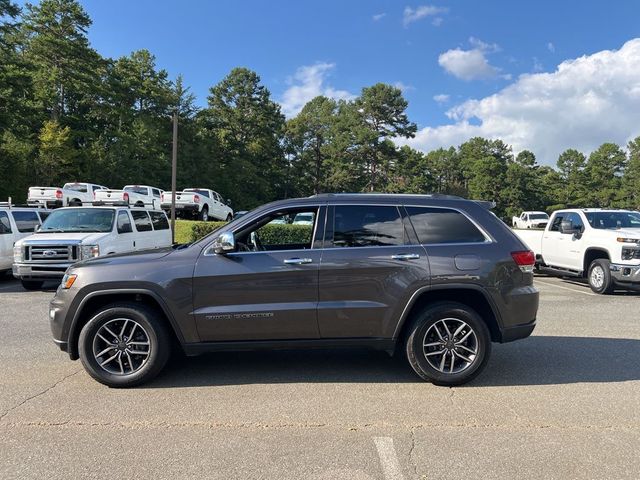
(124, 223)
(159, 221)
(43, 215)
(557, 220)
(442, 225)
(367, 226)
(5, 225)
(142, 221)
(26, 221)
(156, 192)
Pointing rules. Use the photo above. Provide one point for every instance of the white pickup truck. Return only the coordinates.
(601, 245)
(200, 203)
(530, 220)
(136, 195)
(70, 195)
(16, 223)
(72, 234)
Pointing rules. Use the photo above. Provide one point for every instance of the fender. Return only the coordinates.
(448, 286)
(121, 291)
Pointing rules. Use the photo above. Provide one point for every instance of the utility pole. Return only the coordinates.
(174, 173)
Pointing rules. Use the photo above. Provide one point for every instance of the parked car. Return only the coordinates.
(70, 195)
(73, 234)
(601, 245)
(199, 203)
(531, 220)
(437, 277)
(15, 224)
(136, 195)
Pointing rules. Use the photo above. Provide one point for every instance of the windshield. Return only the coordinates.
(79, 220)
(613, 220)
(138, 190)
(538, 216)
(76, 187)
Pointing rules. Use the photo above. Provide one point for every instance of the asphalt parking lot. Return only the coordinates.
(564, 403)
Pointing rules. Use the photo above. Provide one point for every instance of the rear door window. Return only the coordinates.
(5, 224)
(159, 221)
(26, 221)
(443, 225)
(367, 226)
(141, 220)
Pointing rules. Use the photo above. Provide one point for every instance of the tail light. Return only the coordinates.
(525, 259)
(125, 196)
(196, 198)
(59, 194)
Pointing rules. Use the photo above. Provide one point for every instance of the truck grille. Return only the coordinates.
(51, 253)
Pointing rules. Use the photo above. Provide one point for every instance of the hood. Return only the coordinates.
(128, 258)
(626, 233)
(89, 238)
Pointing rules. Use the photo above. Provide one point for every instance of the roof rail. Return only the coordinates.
(374, 194)
(9, 203)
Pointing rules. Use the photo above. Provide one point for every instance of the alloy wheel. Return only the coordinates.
(450, 345)
(121, 346)
(597, 276)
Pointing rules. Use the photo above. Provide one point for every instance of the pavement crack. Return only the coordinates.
(39, 394)
(412, 464)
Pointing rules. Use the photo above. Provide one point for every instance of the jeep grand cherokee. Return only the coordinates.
(437, 277)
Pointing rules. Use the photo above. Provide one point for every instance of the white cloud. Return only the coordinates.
(551, 47)
(467, 64)
(471, 64)
(586, 101)
(404, 87)
(308, 82)
(378, 16)
(441, 98)
(411, 15)
(537, 65)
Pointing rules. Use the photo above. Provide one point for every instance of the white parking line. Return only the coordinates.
(388, 458)
(567, 288)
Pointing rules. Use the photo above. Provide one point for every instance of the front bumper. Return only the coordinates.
(625, 274)
(39, 271)
(58, 308)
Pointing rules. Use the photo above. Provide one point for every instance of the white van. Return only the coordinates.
(72, 234)
(15, 224)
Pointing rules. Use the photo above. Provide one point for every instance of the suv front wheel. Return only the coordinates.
(124, 345)
(448, 344)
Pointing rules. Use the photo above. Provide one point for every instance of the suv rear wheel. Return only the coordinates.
(124, 345)
(448, 344)
(600, 279)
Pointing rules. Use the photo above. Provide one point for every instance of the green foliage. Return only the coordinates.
(202, 229)
(275, 234)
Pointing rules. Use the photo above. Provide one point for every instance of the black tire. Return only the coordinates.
(153, 328)
(422, 328)
(204, 214)
(32, 284)
(229, 218)
(599, 276)
(75, 203)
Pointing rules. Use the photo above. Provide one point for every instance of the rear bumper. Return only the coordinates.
(518, 313)
(517, 332)
(45, 202)
(182, 207)
(628, 275)
(27, 271)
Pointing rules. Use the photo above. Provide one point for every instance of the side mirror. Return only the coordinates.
(225, 243)
(36, 228)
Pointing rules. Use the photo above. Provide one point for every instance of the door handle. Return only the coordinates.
(406, 256)
(297, 261)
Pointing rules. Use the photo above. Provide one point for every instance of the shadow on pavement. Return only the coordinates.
(537, 360)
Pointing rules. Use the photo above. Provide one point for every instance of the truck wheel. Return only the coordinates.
(448, 344)
(75, 203)
(124, 345)
(229, 218)
(600, 279)
(32, 284)
(204, 214)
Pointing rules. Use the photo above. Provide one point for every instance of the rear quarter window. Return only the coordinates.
(443, 225)
(159, 221)
(26, 221)
(141, 220)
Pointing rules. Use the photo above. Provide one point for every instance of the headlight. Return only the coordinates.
(18, 253)
(89, 251)
(628, 240)
(67, 280)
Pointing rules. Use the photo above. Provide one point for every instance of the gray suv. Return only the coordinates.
(437, 277)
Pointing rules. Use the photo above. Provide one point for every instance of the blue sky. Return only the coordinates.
(456, 51)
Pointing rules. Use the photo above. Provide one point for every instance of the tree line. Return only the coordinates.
(69, 114)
